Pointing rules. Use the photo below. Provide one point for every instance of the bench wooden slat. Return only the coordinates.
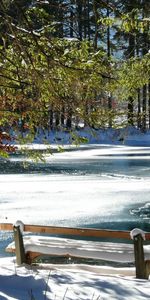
(6, 226)
(83, 232)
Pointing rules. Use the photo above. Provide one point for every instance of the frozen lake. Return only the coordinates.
(97, 186)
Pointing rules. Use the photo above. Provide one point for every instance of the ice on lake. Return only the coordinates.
(97, 186)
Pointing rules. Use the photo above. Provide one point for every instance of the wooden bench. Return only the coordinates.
(29, 247)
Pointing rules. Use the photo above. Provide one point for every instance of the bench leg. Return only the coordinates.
(140, 264)
(20, 252)
(30, 256)
(147, 264)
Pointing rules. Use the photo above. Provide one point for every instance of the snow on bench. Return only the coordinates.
(29, 247)
(117, 252)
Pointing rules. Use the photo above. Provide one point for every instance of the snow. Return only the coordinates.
(129, 136)
(54, 199)
(69, 282)
(75, 281)
(137, 231)
(20, 224)
(117, 252)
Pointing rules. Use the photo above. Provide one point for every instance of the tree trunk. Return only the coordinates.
(131, 53)
(62, 117)
(88, 20)
(108, 54)
(130, 111)
(79, 18)
(144, 108)
(69, 120)
(71, 23)
(57, 120)
(51, 116)
(96, 25)
(149, 105)
(139, 109)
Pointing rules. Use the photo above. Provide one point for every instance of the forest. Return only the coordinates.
(63, 62)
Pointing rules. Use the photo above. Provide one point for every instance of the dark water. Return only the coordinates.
(138, 167)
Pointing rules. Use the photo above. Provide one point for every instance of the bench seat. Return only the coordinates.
(42, 245)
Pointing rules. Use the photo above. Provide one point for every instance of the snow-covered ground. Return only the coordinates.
(69, 282)
(76, 198)
(130, 136)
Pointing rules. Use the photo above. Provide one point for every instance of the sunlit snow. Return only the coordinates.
(93, 185)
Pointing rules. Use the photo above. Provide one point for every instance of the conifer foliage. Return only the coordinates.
(66, 61)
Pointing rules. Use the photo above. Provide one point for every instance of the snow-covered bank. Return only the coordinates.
(129, 136)
(69, 282)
